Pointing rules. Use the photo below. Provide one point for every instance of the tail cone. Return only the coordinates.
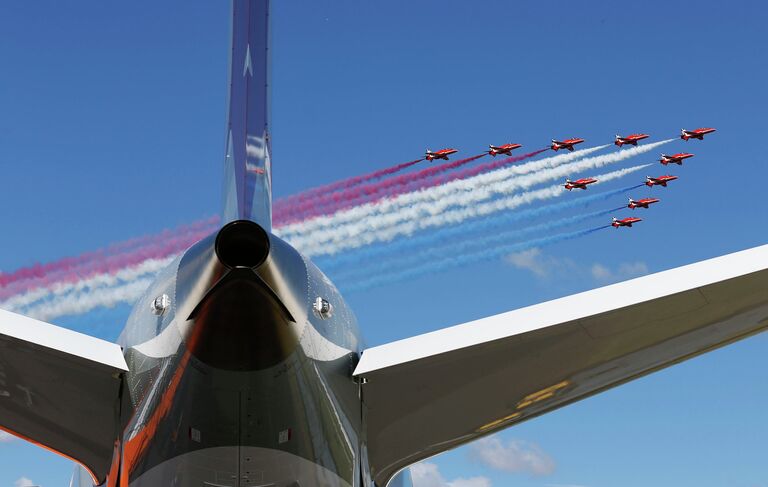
(242, 243)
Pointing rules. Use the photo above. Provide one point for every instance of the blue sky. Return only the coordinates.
(112, 127)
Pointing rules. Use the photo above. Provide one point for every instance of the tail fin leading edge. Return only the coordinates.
(247, 166)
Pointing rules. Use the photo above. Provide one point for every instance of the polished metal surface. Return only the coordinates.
(241, 363)
(60, 389)
(143, 325)
(214, 467)
(430, 393)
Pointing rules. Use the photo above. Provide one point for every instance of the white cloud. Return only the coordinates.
(514, 457)
(471, 482)
(531, 260)
(600, 272)
(6, 437)
(427, 474)
(625, 270)
(545, 266)
(24, 482)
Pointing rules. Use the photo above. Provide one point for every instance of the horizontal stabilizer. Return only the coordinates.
(61, 390)
(433, 392)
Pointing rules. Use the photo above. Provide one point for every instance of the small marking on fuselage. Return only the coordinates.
(284, 436)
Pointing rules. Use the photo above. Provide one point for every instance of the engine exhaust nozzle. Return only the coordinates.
(242, 244)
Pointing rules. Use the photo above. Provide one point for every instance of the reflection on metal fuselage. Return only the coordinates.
(240, 382)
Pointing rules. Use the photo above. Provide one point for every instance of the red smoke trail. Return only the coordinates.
(111, 259)
(331, 203)
(40, 270)
(463, 174)
(414, 185)
(481, 168)
(132, 252)
(281, 205)
(106, 266)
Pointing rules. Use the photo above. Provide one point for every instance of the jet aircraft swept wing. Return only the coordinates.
(61, 390)
(430, 393)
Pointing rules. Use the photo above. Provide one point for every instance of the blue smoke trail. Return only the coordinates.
(365, 254)
(470, 244)
(463, 259)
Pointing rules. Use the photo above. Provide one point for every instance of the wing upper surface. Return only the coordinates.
(60, 389)
(430, 393)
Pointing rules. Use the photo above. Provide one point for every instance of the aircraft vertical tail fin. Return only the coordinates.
(247, 163)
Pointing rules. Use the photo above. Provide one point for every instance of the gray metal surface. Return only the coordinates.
(213, 467)
(431, 393)
(239, 363)
(60, 389)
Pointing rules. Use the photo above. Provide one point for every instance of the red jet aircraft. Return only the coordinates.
(695, 134)
(441, 154)
(505, 149)
(629, 139)
(565, 144)
(675, 158)
(659, 181)
(643, 203)
(579, 183)
(626, 222)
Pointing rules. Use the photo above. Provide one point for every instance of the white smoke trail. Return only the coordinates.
(24, 299)
(429, 194)
(27, 300)
(457, 215)
(469, 193)
(85, 300)
(127, 284)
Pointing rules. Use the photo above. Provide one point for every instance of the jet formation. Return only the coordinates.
(568, 144)
(583, 183)
(650, 181)
(242, 364)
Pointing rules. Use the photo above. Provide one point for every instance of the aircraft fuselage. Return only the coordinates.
(243, 379)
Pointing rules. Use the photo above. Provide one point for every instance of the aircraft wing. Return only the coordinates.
(430, 393)
(60, 389)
